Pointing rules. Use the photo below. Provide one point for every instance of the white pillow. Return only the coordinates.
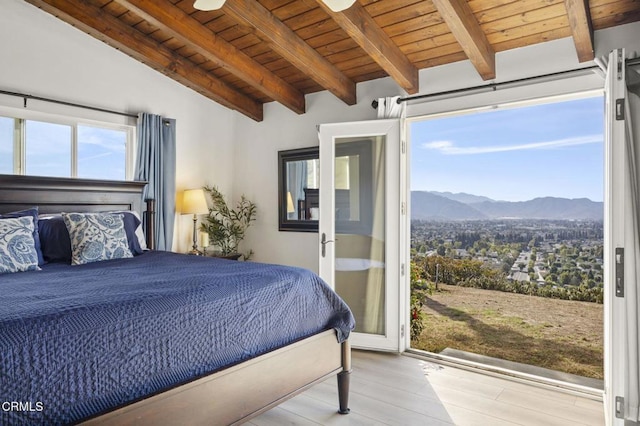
(96, 236)
(17, 246)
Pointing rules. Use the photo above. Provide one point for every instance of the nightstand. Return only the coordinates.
(233, 256)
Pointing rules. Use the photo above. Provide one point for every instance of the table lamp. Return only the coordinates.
(194, 202)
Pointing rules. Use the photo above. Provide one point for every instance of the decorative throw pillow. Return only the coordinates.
(17, 246)
(33, 212)
(96, 236)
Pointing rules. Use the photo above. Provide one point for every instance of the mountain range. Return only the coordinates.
(432, 205)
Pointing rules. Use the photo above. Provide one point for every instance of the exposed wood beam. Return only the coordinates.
(175, 22)
(291, 47)
(114, 32)
(581, 28)
(466, 29)
(361, 27)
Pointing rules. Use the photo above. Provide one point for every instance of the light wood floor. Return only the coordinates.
(389, 389)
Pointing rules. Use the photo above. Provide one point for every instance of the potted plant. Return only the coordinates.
(227, 226)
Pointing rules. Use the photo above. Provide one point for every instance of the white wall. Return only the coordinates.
(257, 144)
(41, 55)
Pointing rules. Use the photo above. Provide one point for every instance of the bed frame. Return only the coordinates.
(229, 396)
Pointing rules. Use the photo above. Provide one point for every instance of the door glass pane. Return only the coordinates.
(101, 153)
(6, 145)
(48, 149)
(360, 229)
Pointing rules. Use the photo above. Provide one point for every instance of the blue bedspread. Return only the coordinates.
(80, 340)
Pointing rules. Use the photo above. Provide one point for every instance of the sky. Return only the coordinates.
(513, 154)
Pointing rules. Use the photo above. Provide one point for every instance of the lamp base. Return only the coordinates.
(194, 248)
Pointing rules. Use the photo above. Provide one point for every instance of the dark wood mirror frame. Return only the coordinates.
(303, 222)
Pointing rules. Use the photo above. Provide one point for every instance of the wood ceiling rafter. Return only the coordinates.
(286, 39)
(364, 30)
(292, 48)
(118, 34)
(186, 29)
(581, 28)
(465, 27)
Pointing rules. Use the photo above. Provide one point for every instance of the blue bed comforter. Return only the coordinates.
(79, 340)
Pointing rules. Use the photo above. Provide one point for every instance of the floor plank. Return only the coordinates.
(389, 389)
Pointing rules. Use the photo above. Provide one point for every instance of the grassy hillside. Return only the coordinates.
(557, 334)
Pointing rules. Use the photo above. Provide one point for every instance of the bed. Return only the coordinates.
(140, 347)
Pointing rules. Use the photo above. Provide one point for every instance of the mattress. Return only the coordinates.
(76, 341)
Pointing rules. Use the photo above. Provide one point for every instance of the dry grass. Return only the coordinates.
(557, 334)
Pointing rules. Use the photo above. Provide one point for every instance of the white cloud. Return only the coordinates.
(93, 157)
(449, 148)
(97, 140)
(439, 145)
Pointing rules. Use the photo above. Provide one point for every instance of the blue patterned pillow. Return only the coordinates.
(17, 246)
(33, 212)
(96, 236)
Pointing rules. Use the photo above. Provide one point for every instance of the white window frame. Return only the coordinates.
(19, 153)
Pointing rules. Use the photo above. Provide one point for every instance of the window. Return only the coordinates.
(101, 153)
(65, 148)
(47, 149)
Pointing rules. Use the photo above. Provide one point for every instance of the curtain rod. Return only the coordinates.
(495, 86)
(55, 101)
(492, 86)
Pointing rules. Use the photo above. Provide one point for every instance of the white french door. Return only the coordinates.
(359, 226)
(622, 249)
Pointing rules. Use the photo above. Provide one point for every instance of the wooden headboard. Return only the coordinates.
(55, 195)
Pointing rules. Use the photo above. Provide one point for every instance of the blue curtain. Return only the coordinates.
(156, 164)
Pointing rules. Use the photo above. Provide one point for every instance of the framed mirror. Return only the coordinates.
(298, 179)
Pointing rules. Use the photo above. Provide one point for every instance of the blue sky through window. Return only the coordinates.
(101, 153)
(48, 149)
(517, 154)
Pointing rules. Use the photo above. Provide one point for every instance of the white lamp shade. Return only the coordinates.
(339, 5)
(194, 202)
(208, 4)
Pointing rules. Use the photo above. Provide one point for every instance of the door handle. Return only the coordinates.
(324, 242)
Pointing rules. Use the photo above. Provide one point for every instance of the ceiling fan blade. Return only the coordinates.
(338, 5)
(207, 5)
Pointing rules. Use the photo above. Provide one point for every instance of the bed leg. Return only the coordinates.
(343, 391)
(344, 378)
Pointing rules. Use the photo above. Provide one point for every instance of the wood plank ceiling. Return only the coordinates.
(256, 51)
